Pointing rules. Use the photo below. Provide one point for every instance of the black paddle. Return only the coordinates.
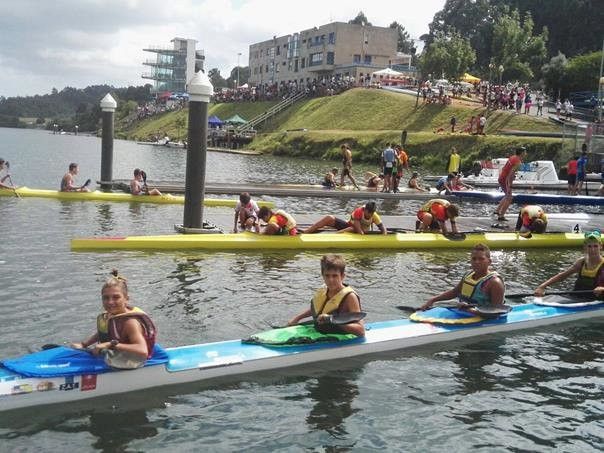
(145, 188)
(86, 184)
(337, 319)
(583, 292)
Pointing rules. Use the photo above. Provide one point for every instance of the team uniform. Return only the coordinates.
(511, 165)
(438, 209)
(285, 222)
(475, 291)
(526, 217)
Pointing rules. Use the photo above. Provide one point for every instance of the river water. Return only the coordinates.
(537, 390)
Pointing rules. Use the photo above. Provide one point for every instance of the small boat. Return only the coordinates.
(117, 197)
(165, 144)
(539, 174)
(327, 241)
(45, 380)
(532, 198)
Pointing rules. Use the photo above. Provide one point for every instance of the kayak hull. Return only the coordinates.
(532, 198)
(326, 241)
(116, 197)
(233, 358)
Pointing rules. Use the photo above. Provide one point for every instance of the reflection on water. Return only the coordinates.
(333, 397)
(115, 431)
(104, 218)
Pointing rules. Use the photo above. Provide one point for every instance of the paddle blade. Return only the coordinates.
(87, 183)
(347, 318)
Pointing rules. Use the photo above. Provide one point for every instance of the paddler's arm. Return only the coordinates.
(351, 304)
(356, 226)
(454, 226)
(135, 341)
(296, 319)
(382, 228)
(447, 295)
(575, 268)
(496, 291)
(89, 341)
(235, 222)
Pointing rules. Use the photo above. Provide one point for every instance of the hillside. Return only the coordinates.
(367, 119)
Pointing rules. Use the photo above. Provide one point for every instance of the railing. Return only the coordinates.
(263, 117)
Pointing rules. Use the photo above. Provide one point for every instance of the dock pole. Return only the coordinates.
(108, 106)
(200, 90)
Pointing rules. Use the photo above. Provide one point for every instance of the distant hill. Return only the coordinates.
(67, 102)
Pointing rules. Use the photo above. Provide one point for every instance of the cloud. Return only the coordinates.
(84, 42)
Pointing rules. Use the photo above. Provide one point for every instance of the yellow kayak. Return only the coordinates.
(327, 241)
(117, 197)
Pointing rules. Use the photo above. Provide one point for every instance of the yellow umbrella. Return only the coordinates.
(469, 78)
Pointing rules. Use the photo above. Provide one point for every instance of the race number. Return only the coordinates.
(576, 228)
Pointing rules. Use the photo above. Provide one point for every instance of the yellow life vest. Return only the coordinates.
(471, 289)
(454, 161)
(291, 223)
(320, 305)
(102, 322)
(588, 278)
(428, 205)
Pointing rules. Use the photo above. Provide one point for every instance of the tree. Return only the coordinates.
(405, 44)
(217, 80)
(360, 20)
(516, 48)
(244, 76)
(583, 72)
(554, 74)
(450, 56)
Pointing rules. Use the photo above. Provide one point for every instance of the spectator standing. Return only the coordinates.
(482, 122)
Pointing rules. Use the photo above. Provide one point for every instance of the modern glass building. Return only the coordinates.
(173, 66)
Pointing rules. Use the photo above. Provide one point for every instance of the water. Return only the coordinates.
(539, 390)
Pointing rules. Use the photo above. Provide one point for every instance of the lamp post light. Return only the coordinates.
(500, 74)
(491, 66)
(238, 55)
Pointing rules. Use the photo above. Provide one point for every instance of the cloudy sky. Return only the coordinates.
(59, 43)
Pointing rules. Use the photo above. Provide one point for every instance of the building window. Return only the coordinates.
(296, 65)
(283, 63)
(303, 63)
(367, 59)
(356, 58)
(330, 57)
(278, 50)
(316, 59)
(332, 38)
(290, 65)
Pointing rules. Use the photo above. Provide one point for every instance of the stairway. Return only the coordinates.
(263, 117)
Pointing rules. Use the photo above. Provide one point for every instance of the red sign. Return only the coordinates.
(88, 382)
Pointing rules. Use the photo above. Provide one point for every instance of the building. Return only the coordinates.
(174, 66)
(336, 49)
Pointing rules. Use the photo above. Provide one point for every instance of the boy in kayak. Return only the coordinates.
(445, 184)
(481, 286)
(531, 219)
(414, 184)
(329, 181)
(4, 175)
(506, 178)
(68, 181)
(433, 216)
(360, 221)
(246, 214)
(333, 299)
(138, 184)
(590, 268)
(125, 334)
(277, 222)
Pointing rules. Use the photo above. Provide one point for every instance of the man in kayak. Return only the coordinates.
(335, 298)
(481, 286)
(138, 184)
(360, 221)
(590, 268)
(506, 178)
(277, 222)
(373, 181)
(445, 184)
(246, 214)
(434, 214)
(531, 219)
(124, 333)
(68, 181)
(329, 181)
(414, 184)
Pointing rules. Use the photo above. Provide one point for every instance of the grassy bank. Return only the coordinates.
(426, 149)
(367, 120)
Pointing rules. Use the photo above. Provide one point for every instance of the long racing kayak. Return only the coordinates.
(529, 198)
(117, 197)
(50, 378)
(327, 241)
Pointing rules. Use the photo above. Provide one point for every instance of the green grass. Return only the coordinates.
(367, 119)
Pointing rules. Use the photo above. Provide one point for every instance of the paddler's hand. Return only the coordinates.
(426, 306)
(76, 345)
(539, 291)
(599, 291)
(324, 319)
(100, 347)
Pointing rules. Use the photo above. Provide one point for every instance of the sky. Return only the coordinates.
(77, 43)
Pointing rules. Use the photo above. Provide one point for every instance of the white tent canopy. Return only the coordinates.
(387, 73)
